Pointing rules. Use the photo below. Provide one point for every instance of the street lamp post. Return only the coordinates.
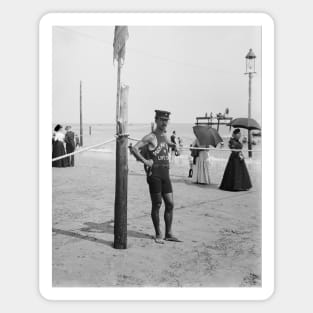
(250, 70)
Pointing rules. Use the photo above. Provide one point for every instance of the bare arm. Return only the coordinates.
(146, 140)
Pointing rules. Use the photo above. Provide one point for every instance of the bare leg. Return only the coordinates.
(168, 216)
(156, 200)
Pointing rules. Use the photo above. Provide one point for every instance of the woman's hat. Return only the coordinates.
(57, 127)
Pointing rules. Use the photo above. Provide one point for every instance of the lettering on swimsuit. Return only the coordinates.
(163, 157)
(157, 151)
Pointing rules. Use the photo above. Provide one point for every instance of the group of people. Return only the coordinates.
(63, 142)
(153, 151)
(236, 176)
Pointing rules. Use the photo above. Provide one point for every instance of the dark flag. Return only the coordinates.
(119, 43)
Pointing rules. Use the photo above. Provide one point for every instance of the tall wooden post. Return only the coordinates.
(120, 207)
(249, 117)
(80, 115)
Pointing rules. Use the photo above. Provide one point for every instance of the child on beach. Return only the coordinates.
(191, 162)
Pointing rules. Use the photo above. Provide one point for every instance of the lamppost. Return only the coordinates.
(250, 70)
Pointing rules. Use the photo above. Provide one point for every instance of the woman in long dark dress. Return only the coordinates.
(58, 147)
(236, 176)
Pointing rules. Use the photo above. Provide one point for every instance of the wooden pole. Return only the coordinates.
(89, 130)
(121, 175)
(118, 90)
(80, 115)
(249, 117)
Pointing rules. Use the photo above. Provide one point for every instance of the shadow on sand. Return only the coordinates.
(108, 228)
(80, 236)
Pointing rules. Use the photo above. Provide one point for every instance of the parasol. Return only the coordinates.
(207, 135)
(245, 122)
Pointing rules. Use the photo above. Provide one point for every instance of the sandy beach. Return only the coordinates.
(220, 230)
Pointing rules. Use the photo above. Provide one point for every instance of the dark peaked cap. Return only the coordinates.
(162, 114)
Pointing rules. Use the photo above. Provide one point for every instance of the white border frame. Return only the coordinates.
(45, 173)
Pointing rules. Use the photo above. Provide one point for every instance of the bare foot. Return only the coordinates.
(170, 237)
(158, 239)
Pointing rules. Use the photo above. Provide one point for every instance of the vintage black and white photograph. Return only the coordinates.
(156, 156)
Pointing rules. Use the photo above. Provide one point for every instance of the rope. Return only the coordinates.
(82, 150)
(197, 148)
(122, 135)
(215, 149)
(135, 139)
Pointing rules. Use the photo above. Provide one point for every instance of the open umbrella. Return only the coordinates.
(245, 122)
(207, 135)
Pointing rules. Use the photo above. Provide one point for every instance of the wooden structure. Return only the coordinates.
(121, 174)
(217, 120)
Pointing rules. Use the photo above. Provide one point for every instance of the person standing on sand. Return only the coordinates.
(191, 162)
(58, 147)
(236, 176)
(156, 162)
(174, 148)
(201, 168)
(77, 143)
(70, 144)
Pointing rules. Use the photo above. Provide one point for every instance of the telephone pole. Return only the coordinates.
(80, 115)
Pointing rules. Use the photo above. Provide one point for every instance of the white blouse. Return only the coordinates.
(58, 136)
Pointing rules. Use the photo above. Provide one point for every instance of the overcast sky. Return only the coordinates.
(185, 70)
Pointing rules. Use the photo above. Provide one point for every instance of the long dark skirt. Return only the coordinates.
(59, 150)
(236, 176)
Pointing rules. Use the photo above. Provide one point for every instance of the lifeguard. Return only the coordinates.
(156, 161)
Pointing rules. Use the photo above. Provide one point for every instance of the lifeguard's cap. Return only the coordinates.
(162, 114)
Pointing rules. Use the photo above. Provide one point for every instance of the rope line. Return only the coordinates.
(199, 148)
(135, 139)
(82, 150)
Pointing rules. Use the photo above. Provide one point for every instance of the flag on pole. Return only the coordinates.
(119, 43)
